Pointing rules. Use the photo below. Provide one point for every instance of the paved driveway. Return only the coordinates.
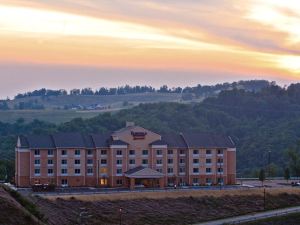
(253, 216)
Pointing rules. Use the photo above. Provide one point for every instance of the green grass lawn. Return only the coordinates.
(53, 116)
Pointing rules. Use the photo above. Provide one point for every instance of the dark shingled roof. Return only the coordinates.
(101, 140)
(40, 141)
(174, 140)
(206, 140)
(117, 142)
(134, 170)
(88, 140)
(68, 140)
(159, 142)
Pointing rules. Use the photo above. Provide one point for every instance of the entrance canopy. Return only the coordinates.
(143, 172)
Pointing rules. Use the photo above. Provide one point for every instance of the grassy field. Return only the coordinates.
(53, 116)
(175, 194)
(54, 106)
(170, 208)
(53, 102)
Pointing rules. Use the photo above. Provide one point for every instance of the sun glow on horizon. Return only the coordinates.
(37, 34)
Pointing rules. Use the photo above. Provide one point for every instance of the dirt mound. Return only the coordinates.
(11, 212)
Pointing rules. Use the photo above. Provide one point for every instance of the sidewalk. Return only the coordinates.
(253, 217)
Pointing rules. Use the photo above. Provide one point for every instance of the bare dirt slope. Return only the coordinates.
(11, 212)
(164, 211)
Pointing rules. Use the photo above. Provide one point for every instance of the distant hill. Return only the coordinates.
(61, 106)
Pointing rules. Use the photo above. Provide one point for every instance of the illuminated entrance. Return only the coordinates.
(144, 177)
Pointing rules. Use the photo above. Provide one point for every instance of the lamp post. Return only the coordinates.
(264, 198)
(269, 163)
(120, 216)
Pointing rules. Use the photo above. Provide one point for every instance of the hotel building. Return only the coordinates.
(130, 157)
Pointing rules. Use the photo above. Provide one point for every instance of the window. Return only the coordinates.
(208, 170)
(119, 182)
(220, 160)
(158, 152)
(182, 152)
(220, 151)
(182, 170)
(103, 170)
(181, 161)
(77, 161)
(119, 152)
(36, 152)
(159, 161)
(220, 170)
(145, 161)
(50, 162)
(103, 161)
(77, 152)
(103, 152)
(77, 171)
(103, 181)
(131, 152)
(170, 161)
(90, 161)
(208, 180)
(195, 170)
(37, 162)
(64, 182)
(196, 161)
(131, 161)
(64, 152)
(64, 171)
(119, 171)
(119, 162)
(170, 170)
(50, 152)
(89, 170)
(170, 152)
(208, 161)
(195, 181)
(196, 152)
(90, 152)
(159, 170)
(208, 152)
(220, 180)
(37, 172)
(145, 152)
(50, 171)
(64, 162)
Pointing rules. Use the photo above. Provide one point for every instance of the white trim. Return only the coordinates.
(118, 146)
(231, 150)
(22, 150)
(159, 146)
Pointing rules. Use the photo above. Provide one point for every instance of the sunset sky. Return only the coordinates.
(93, 43)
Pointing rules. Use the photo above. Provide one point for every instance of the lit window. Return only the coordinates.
(103, 170)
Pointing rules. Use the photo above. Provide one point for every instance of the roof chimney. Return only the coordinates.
(129, 124)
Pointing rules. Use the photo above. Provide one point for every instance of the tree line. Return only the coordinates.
(199, 90)
(263, 124)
